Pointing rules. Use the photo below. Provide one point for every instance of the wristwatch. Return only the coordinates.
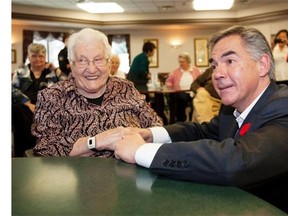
(91, 143)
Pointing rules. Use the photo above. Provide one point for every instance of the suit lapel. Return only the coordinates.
(250, 119)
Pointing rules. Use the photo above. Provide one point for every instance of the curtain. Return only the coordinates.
(28, 37)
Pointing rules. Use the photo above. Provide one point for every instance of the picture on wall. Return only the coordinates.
(201, 52)
(13, 56)
(154, 59)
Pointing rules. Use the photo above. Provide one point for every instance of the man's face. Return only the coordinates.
(90, 79)
(236, 76)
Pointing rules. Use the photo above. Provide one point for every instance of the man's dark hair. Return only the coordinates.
(148, 46)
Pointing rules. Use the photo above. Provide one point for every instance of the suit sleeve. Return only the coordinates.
(257, 156)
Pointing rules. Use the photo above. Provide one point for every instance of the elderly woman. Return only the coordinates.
(26, 83)
(115, 63)
(72, 116)
(182, 78)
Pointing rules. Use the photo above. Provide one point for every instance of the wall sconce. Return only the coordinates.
(176, 44)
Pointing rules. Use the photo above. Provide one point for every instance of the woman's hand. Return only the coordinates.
(31, 106)
(107, 139)
(145, 133)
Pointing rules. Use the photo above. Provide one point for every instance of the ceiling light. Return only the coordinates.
(212, 5)
(100, 7)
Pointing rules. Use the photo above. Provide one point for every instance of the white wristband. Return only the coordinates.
(91, 143)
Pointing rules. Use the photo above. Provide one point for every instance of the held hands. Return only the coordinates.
(104, 140)
(145, 133)
(107, 139)
(124, 141)
(126, 148)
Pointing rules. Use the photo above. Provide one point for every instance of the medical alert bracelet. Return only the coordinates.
(91, 143)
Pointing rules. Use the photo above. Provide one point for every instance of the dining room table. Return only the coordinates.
(165, 101)
(99, 186)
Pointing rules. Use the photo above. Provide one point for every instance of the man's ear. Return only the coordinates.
(264, 65)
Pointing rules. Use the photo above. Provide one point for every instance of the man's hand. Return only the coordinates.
(126, 148)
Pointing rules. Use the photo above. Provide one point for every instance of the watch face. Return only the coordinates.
(91, 143)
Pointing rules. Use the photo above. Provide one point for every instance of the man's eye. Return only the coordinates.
(230, 61)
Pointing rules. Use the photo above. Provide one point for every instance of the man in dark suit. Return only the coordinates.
(253, 157)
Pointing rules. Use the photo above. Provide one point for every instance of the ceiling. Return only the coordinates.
(141, 13)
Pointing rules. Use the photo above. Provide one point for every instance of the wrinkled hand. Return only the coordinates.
(145, 133)
(126, 148)
(107, 139)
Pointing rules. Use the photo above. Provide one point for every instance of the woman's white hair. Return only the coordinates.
(87, 35)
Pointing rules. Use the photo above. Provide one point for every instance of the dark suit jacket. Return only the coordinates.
(209, 153)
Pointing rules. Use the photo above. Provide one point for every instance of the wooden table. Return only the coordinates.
(96, 186)
(160, 102)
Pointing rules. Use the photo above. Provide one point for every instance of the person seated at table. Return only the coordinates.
(115, 63)
(182, 78)
(72, 116)
(206, 101)
(246, 144)
(26, 82)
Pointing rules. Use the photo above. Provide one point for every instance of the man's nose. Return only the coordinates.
(219, 72)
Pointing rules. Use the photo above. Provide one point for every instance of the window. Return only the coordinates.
(53, 47)
(121, 46)
(53, 41)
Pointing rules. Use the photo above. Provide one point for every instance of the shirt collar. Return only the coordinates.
(240, 117)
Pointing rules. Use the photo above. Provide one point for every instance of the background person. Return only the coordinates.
(76, 112)
(115, 63)
(280, 53)
(63, 61)
(182, 78)
(139, 72)
(254, 157)
(206, 101)
(26, 83)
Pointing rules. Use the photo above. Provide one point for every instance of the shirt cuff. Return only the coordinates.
(160, 135)
(145, 154)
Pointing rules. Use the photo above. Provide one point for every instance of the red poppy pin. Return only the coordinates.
(244, 129)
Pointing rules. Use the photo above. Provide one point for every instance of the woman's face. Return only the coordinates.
(283, 37)
(183, 63)
(37, 59)
(115, 63)
(90, 68)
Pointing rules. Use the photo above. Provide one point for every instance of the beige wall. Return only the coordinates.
(167, 54)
